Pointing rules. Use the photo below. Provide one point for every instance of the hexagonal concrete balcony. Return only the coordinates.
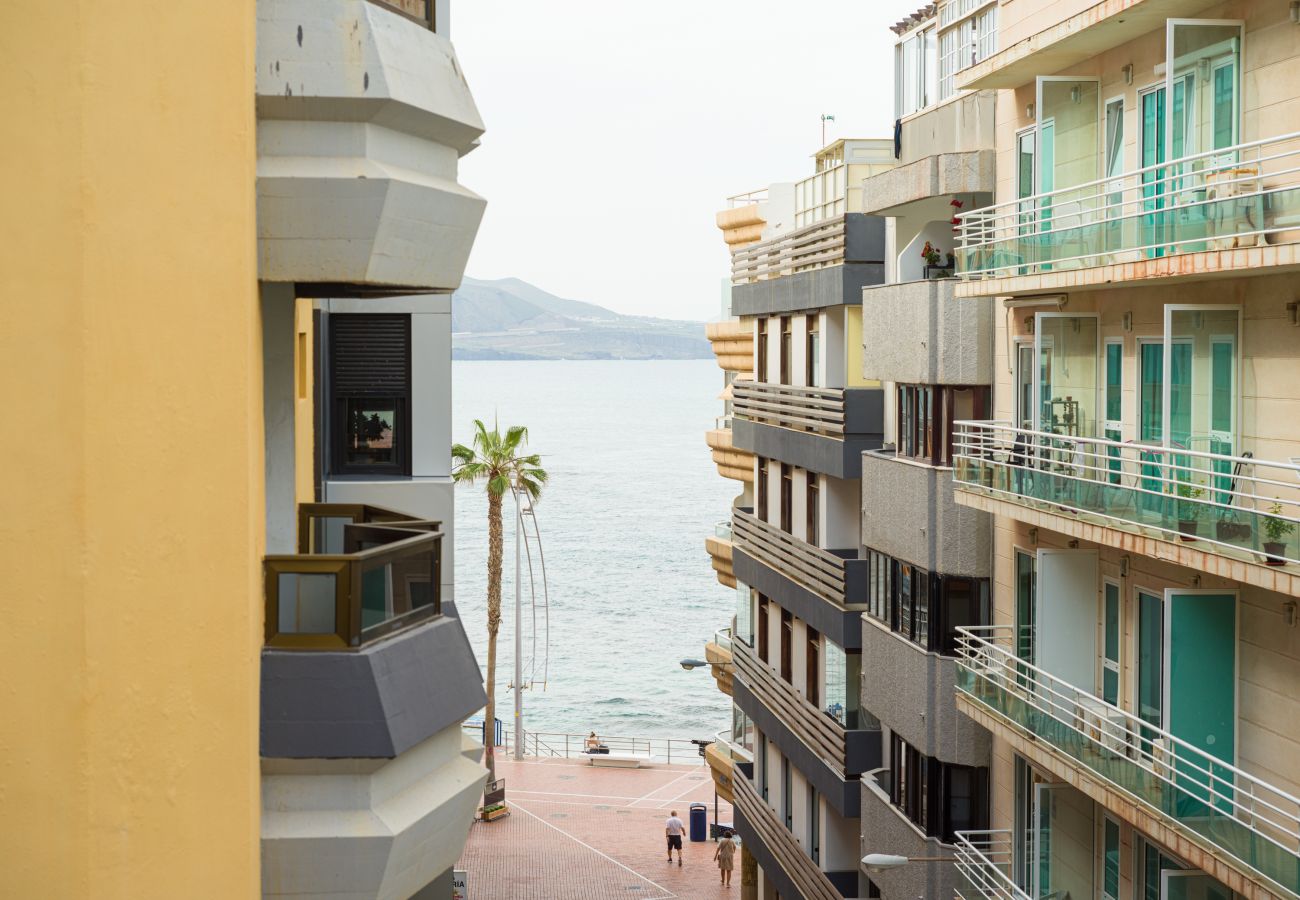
(362, 117)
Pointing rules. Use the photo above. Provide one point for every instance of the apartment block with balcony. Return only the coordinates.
(265, 692)
(368, 782)
(801, 253)
(1138, 459)
(928, 558)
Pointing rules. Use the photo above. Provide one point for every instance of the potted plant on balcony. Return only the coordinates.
(933, 267)
(1229, 528)
(1275, 531)
(1189, 510)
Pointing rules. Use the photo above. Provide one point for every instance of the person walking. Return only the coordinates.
(726, 856)
(674, 828)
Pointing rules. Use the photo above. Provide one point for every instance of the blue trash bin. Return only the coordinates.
(699, 823)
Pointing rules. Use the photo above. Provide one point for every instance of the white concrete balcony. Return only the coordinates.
(1197, 217)
(363, 114)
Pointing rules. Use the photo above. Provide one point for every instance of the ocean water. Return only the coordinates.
(633, 492)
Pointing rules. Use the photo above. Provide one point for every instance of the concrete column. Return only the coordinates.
(278, 334)
(748, 875)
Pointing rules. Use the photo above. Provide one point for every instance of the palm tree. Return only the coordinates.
(496, 460)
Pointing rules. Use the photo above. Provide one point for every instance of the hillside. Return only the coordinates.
(512, 319)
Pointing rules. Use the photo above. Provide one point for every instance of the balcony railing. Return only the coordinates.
(1237, 505)
(362, 573)
(819, 410)
(816, 728)
(820, 571)
(722, 530)
(813, 247)
(1242, 817)
(984, 864)
(1224, 199)
(811, 882)
(722, 638)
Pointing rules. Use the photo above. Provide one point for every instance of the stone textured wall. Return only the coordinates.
(918, 333)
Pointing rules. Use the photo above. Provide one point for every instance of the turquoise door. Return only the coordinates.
(1153, 153)
(1201, 690)
(1151, 384)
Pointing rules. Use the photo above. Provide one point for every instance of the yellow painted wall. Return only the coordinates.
(853, 349)
(132, 495)
(304, 409)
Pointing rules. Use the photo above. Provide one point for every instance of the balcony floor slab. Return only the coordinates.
(1282, 579)
(1206, 265)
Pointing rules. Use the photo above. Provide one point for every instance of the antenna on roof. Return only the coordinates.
(825, 118)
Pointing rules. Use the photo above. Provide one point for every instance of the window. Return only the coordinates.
(1114, 138)
(812, 356)
(924, 607)
(787, 792)
(744, 627)
(967, 38)
(1111, 617)
(812, 667)
(763, 634)
(881, 589)
(914, 72)
(370, 378)
(814, 825)
(843, 671)
(1109, 858)
(939, 798)
(742, 729)
(1114, 381)
(760, 489)
(760, 351)
(1026, 587)
(761, 756)
(787, 342)
(811, 504)
(1151, 659)
(926, 415)
(787, 498)
(787, 646)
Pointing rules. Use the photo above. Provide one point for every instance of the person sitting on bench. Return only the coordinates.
(594, 745)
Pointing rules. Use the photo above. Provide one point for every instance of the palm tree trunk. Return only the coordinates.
(494, 625)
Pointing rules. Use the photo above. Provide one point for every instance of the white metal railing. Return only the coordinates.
(722, 637)
(812, 247)
(1223, 501)
(984, 862)
(745, 199)
(723, 423)
(1243, 816)
(1221, 199)
(574, 746)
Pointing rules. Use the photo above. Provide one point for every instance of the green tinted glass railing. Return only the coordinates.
(1225, 199)
(1234, 813)
(1234, 504)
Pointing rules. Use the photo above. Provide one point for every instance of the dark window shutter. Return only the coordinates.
(370, 355)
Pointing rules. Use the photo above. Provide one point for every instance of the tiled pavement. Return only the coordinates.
(582, 833)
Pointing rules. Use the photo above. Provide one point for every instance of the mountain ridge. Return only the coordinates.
(508, 318)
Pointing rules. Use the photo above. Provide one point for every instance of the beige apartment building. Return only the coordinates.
(1139, 676)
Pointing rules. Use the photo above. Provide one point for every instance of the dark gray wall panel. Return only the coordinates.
(818, 453)
(844, 627)
(373, 703)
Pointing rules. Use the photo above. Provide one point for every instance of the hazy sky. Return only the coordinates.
(616, 130)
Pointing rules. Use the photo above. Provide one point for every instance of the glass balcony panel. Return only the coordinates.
(306, 603)
(1249, 820)
(1242, 506)
(743, 629)
(1211, 198)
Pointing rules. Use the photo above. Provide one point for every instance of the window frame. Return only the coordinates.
(340, 398)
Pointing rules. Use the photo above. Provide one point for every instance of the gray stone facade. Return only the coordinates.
(909, 512)
(918, 333)
(912, 692)
(885, 830)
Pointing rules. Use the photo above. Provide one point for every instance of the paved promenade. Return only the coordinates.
(583, 833)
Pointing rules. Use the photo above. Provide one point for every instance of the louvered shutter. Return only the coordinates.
(370, 355)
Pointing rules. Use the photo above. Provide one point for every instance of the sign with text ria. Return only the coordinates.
(459, 884)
